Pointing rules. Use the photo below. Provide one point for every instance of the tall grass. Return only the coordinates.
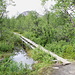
(8, 67)
(43, 61)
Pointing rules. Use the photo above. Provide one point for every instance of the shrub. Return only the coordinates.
(63, 49)
(4, 46)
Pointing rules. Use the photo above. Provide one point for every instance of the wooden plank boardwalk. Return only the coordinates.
(34, 45)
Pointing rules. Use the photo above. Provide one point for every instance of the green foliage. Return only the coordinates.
(54, 30)
(42, 60)
(40, 56)
(2, 8)
(8, 41)
(8, 67)
(4, 46)
(63, 49)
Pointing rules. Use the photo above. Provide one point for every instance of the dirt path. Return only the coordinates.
(64, 70)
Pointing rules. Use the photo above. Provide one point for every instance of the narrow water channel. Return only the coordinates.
(20, 56)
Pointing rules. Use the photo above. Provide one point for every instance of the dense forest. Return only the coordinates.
(55, 30)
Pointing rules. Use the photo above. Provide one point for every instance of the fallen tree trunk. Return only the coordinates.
(27, 43)
(43, 49)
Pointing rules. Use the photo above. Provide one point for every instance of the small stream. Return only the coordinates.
(22, 57)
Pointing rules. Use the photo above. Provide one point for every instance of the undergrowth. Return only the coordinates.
(42, 61)
(63, 49)
(8, 67)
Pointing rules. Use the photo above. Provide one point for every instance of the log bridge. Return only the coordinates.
(33, 45)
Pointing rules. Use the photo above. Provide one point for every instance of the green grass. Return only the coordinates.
(8, 67)
(43, 61)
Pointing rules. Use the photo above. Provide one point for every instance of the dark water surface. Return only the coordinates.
(22, 57)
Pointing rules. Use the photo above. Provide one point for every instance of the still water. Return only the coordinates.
(22, 57)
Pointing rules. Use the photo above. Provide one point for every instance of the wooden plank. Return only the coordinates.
(56, 56)
(29, 41)
(45, 50)
(27, 44)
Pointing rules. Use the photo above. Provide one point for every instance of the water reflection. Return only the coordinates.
(21, 57)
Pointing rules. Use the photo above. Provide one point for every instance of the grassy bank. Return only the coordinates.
(8, 67)
(43, 62)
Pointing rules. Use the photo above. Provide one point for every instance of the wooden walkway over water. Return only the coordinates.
(33, 45)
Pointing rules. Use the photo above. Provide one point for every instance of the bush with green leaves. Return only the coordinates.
(63, 49)
(4, 46)
(8, 41)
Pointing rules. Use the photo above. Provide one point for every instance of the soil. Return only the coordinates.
(64, 69)
(59, 69)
